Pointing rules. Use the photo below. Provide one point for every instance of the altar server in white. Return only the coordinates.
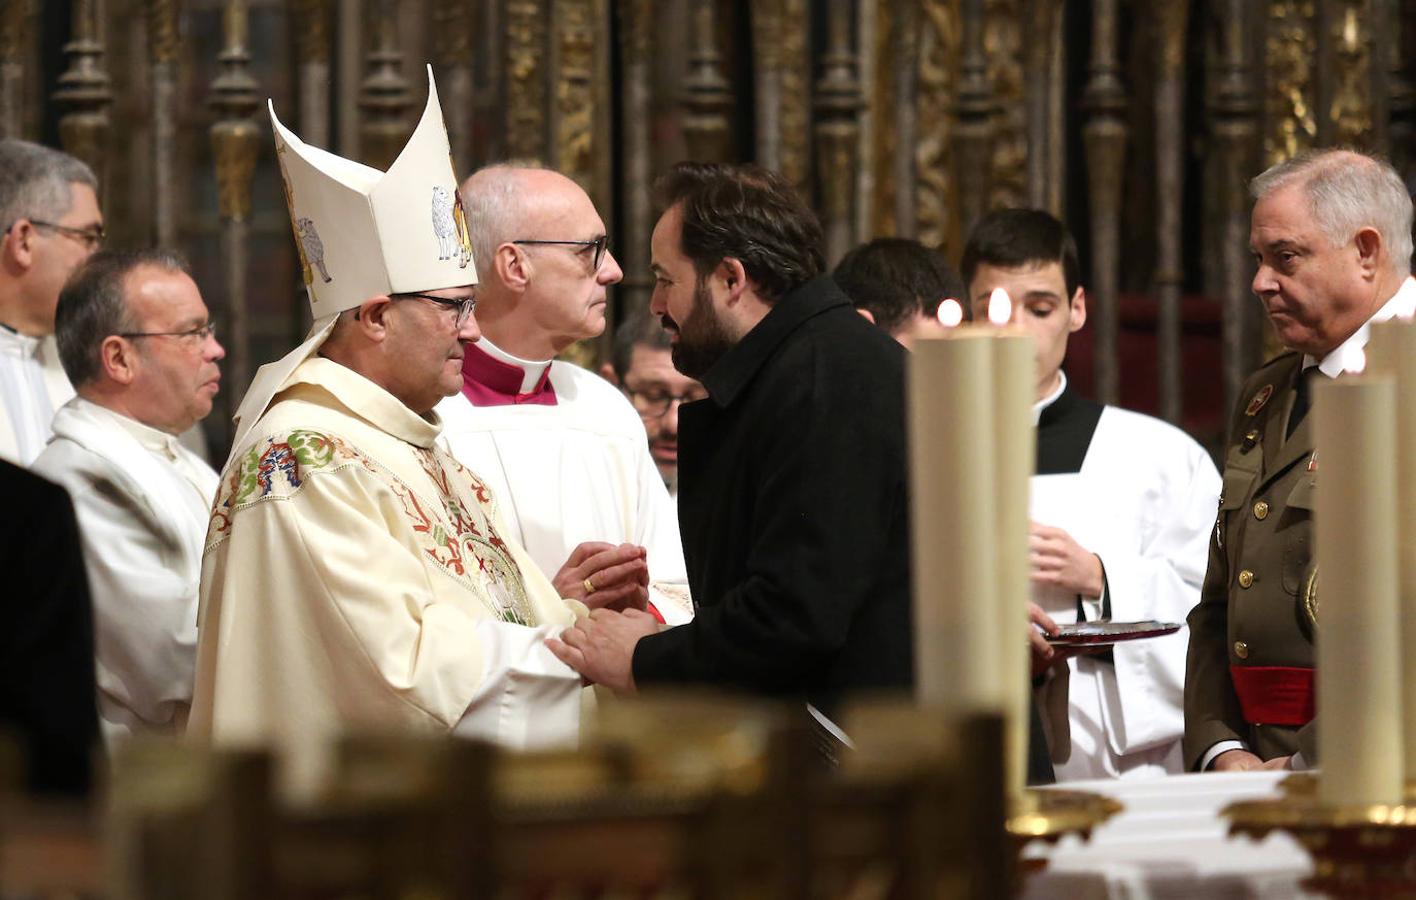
(1122, 508)
(564, 449)
(51, 221)
(356, 576)
(136, 341)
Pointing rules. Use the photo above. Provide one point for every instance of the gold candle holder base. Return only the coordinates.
(1047, 815)
(1358, 850)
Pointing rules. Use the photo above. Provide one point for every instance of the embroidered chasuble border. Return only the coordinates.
(474, 556)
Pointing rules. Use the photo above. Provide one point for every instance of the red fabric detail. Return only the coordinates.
(487, 381)
(1275, 695)
(654, 611)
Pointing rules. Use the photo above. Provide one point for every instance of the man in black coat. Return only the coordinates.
(47, 687)
(793, 499)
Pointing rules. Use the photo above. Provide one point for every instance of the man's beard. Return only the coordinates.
(702, 337)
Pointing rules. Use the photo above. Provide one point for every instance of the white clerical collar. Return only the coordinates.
(1051, 398)
(1401, 305)
(151, 439)
(17, 344)
(531, 371)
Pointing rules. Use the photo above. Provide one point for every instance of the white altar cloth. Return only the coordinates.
(1170, 842)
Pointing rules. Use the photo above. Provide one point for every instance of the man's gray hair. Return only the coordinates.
(35, 182)
(494, 210)
(1348, 191)
(93, 306)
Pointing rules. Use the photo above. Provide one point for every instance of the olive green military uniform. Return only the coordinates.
(1251, 613)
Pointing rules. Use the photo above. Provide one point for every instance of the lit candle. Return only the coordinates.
(971, 453)
(1392, 351)
(1359, 733)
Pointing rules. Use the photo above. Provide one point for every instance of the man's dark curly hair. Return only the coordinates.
(750, 214)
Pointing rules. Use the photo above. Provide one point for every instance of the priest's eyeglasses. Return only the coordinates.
(91, 238)
(465, 307)
(198, 334)
(656, 402)
(600, 244)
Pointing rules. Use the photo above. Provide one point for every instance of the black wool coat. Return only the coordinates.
(794, 512)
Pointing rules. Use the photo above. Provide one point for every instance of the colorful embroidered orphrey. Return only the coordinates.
(355, 576)
(1259, 400)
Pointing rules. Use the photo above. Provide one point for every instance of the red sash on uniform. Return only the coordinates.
(1274, 695)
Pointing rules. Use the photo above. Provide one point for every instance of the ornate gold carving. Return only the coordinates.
(163, 38)
(890, 33)
(84, 90)
(452, 33)
(1351, 109)
(525, 79)
(311, 24)
(1290, 104)
(384, 96)
(575, 91)
(796, 95)
(235, 140)
(1003, 44)
(14, 28)
(936, 196)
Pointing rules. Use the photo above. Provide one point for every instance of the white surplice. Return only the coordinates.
(32, 388)
(1143, 500)
(356, 578)
(574, 471)
(142, 501)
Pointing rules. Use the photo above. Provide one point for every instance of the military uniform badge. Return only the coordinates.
(1259, 400)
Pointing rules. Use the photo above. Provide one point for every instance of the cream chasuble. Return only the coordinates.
(356, 579)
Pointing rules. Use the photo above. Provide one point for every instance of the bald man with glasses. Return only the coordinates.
(52, 223)
(565, 451)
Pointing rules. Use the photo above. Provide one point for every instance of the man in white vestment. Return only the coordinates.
(643, 367)
(356, 576)
(136, 341)
(1122, 507)
(49, 212)
(564, 451)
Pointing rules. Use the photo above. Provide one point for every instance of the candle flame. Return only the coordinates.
(951, 313)
(1000, 307)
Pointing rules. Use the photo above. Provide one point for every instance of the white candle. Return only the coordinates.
(1392, 351)
(1014, 382)
(1359, 729)
(954, 547)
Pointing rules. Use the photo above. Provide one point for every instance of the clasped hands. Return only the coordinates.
(614, 583)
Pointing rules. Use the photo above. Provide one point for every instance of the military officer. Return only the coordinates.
(1331, 236)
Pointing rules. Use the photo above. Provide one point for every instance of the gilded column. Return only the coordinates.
(838, 103)
(16, 27)
(1104, 137)
(1041, 51)
(1233, 112)
(525, 78)
(84, 91)
(452, 49)
(1171, 21)
(706, 98)
(1004, 46)
(904, 65)
(235, 145)
(975, 110)
(312, 65)
(163, 17)
(1354, 65)
(384, 96)
(782, 88)
(573, 112)
(635, 32)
